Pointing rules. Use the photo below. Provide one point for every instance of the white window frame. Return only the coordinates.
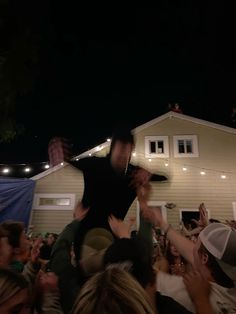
(234, 210)
(151, 203)
(37, 196)
(181, 210)
(149, 139)
(194, 140)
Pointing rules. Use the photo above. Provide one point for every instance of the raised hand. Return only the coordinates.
(143, 193)
(153, 215)
(140, 177)
(119, 227)
(203, 221)
(35, 251)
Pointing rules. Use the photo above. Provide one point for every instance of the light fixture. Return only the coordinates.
(27, 169)
(108, 139)
(6, 170)
(77, 159)
(149, 160)
(166, 164)
(223, 176)
(62, 163)
(184, 168)
(202, 173)
(134, 154)
(46, 166)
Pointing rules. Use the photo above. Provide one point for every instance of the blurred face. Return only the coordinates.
(173, 251)
(120, 156)
(50, 239)
(18, 304)
(6, 252)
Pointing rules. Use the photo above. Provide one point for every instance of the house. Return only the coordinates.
(197, 156)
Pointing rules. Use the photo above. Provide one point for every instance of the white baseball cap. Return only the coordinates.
(220, 240)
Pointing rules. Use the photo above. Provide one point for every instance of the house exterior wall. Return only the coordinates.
(217, 151)
(65, 180)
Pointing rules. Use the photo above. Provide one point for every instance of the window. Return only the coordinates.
(54, 201)
(186, 215)
(185, 146)
(156, 147)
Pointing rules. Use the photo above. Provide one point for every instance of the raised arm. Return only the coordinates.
(183, 245)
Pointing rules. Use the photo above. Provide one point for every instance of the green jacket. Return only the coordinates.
(60, 263)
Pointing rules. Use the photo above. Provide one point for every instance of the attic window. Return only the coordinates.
(54, 201)
(156, 147)
(185, 146)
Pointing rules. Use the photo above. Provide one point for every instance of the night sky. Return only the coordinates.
(99, 66)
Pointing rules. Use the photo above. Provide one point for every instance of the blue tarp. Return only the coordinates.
(16, 197)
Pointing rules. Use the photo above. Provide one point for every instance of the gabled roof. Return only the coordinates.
(48, 171)
(172, 114)
(168, 115)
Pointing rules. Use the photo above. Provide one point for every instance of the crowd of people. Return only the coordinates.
(97, 265)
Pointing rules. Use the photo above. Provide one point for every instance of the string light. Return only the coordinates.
(28, 167)
(6, 170)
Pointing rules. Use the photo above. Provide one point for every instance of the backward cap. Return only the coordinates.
(220, 240)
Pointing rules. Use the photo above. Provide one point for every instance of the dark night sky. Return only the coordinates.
(100, 66)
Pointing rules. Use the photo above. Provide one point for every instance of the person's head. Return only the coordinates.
(51, 239)
(14, 296)
(112, 291)
(135, 251)
(95, 243)
(122, 145)
(215, 254)
(17, 238)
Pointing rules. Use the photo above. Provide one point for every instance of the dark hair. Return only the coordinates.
(216, 271)
(122, 134)
(13, 231)
(138, 253)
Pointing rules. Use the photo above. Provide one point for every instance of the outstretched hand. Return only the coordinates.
(119, 227)
(140, 177)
